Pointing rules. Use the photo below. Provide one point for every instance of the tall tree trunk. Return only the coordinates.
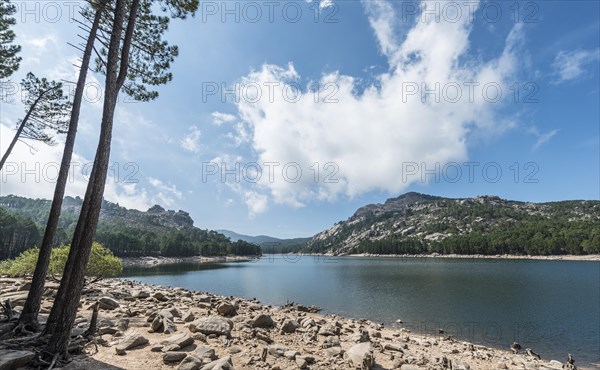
(20, 129)
(29, 316)
(65, 308)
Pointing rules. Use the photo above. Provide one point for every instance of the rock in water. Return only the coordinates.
(129, 342)
(361, 355)
(212, 325)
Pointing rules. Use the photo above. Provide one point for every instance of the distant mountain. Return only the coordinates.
(418, 223)
(269, 243)
(127, 232)
(260, 239)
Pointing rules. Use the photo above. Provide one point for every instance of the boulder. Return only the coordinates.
(190, 362)
(331, 342)
(160, 296)
(182, 340)
(263, 321)
(11, 360)
(361, 355)
(226, 309)
(171, 356)
(204, 352)
(140, 294)
(107, 303)
(334, 351)
(129, 342)
(220, 364)
(212, 325)
(289, 326)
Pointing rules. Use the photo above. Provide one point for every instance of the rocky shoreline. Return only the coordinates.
(154, 261)
(153, 327)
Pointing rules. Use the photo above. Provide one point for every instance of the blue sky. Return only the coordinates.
(456, 99)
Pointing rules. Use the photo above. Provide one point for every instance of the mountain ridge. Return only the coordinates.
(422, 223)
(127, 232)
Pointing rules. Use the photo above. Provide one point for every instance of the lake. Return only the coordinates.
(552, 307)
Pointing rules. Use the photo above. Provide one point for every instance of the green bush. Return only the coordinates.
(102, 263)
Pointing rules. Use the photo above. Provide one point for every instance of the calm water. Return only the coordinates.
(552, 307)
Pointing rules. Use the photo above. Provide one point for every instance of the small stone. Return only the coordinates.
(234, 349)
(301, 362)
(290, 355)
(393, 347)
(277, 350)
(160, 296)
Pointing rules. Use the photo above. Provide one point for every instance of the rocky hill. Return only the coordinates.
(127, 232)
(419, 223)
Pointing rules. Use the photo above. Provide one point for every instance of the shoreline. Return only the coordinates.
(156, 261)
(566, 257)
(152, 326)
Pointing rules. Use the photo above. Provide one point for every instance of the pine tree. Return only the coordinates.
(133, 57)
(28, 318)
(9, 60)
(47, 110)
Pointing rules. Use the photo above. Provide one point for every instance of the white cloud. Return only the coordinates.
(361, 142)
(569, 65)
(167, 194)
(323, 4)
(257, 203)
(542, 137)
(241, 135)
(191, 142)
(220, 118)
(34, 175)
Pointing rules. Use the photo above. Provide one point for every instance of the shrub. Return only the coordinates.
(102, 263)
